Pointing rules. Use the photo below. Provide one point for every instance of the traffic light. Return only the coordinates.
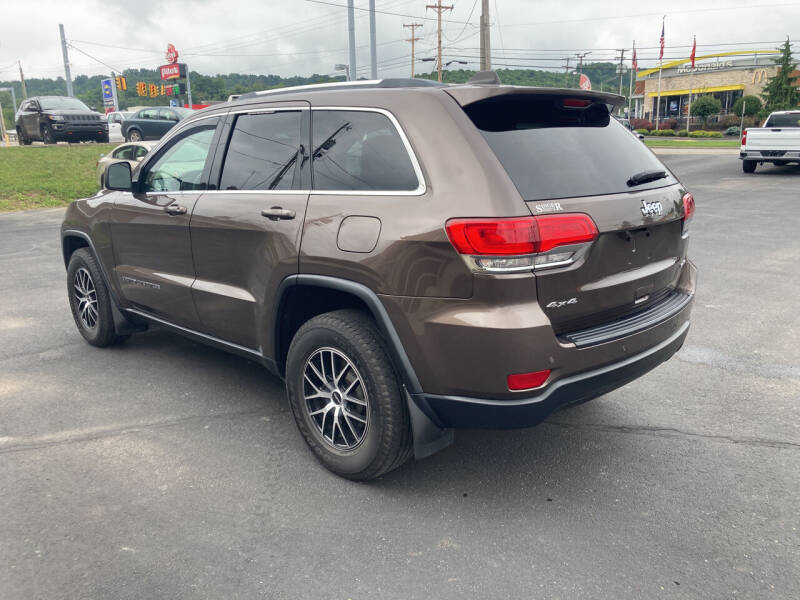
(153, 90)
(122, 83)
(141, 88)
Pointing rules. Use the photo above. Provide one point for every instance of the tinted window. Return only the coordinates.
(262, 152)
(124, 153)
(65, 103)
(168, 115)
(140, 152)
(550, 151)
(787, 120)
(148, 113)
(180, 168)
(358, 150)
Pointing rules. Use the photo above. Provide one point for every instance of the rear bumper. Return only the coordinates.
(790, 155)
(463, 412)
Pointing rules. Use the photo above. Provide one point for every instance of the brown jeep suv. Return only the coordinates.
(410, 257)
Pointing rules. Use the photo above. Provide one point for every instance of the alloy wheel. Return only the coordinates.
(85, 295)
(336, 398)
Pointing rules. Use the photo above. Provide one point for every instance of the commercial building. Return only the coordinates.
(727, 76)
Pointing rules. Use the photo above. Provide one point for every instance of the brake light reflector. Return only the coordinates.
(688, 207)
(576, 102)
(527, 381)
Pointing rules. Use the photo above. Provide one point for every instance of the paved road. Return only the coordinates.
(164, 469)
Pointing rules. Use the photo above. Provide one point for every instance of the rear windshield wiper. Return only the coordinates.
(645, 176)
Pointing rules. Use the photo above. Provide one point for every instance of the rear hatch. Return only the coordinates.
(565, 154)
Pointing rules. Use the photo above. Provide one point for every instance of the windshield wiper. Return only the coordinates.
(645, 176)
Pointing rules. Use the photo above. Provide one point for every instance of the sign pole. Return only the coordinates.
(188, 86)
(630, 88)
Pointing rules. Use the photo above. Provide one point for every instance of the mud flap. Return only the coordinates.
(428, 437)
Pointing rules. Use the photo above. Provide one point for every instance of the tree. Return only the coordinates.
(781, 91)
(751, 106)
(705, 106)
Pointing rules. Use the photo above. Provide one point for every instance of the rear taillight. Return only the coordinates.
(521, 243)
(688, 213)
(744, 137)
(688, 206)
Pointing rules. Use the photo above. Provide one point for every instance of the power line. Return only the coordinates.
(386, 12)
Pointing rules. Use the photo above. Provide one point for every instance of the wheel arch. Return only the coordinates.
(429, 435)
(301, 297)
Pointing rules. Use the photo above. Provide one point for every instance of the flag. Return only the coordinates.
(635, 63)
(661, 53)
(694, 50)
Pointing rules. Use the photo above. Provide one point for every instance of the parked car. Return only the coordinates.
(777, 142)
(152, 123)
(51, 119)
(131, 152)
(115, 120)
(399, 290)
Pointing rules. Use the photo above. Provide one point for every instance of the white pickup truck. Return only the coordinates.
(777, 142)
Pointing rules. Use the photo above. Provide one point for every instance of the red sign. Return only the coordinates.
(176, 71)
(172, 54)
(585, 83)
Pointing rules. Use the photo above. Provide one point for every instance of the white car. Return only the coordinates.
(115, 120)
(132, 152)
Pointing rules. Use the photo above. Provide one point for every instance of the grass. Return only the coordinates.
(691, 143)
(48, 176)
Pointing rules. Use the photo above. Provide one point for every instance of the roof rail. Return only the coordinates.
(365, 83)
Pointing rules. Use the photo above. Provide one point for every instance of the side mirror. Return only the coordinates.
(640, 136)
(93, 108)
(118, 177)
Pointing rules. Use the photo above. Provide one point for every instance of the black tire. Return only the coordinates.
(386, 442)
(134, 135)
(103, 139)
(100, 332)
(47, 135)
(749, 166)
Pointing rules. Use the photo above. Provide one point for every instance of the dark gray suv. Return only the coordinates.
(410, 257)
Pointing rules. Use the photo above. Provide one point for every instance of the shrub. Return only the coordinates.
(729, 120)
(705, 106)
(733, 130)
(705, 134)
(642, 124)
(663, 132)
(682, 133)
(642, 131)
(668, 124)
(752, 105)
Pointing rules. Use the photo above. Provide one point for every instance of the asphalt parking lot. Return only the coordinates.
(165, 469)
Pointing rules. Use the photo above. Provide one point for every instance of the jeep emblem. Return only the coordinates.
(650, 209)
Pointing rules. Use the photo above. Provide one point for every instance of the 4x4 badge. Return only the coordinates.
(652, 208)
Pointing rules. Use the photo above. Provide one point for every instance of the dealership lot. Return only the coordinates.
(163, 468)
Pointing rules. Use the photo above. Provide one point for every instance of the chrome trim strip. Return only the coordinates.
(210, 338)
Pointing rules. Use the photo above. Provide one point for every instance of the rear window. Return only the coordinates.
(551, 151)
(788, 120)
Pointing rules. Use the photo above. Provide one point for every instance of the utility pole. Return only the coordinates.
(351, 32)
(372, 44)
(22, 80)
(485, 29)
(619, 69)
(439, 8)
(566, 73)
(65, 54)
(412, 39)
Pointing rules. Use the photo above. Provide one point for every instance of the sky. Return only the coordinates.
(302, 37)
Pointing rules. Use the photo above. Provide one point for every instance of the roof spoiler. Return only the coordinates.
(469, 93)
(484, 78)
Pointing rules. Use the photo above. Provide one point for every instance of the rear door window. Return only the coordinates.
(263, 150)
(359, 150)
(552, 151)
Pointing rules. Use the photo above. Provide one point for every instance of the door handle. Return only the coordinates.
(277, 212)
(175, 209)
